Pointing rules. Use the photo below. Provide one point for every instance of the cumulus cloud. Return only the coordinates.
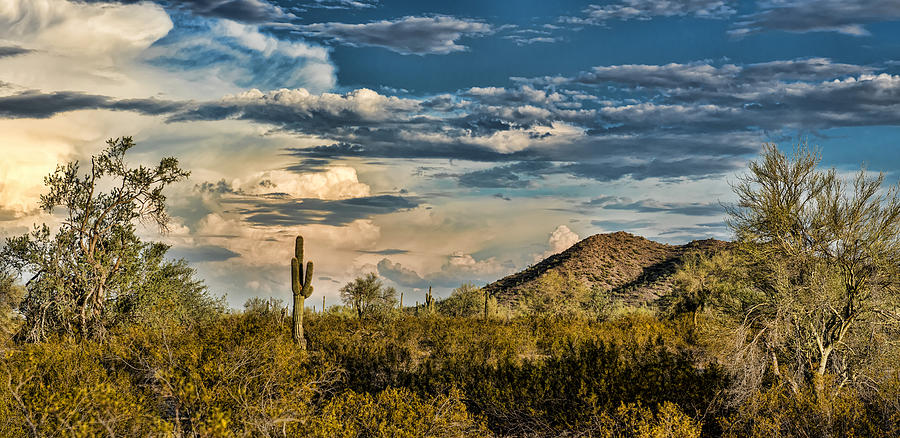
(339, 182)
(800, 16)
(560, 240)
(436, 35)
(648, 9)
(304, 111)
(83, 29)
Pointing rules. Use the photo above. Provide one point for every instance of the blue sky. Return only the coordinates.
(437, 143)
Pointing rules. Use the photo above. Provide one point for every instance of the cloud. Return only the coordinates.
(435, 35)
(703, 75)
(242, 54)
(560, 240)
(246, 11)
(339, 182)
(648, 9)
(622, 225)
(34, 104)
(7, 51)
(655, 206)
(60, 26)
(458, 268)
(517, 175)
(203, 253)
(291, 212)
(525, 37)
(303, 111)
(390, 251)
(343, 4)
(801, 16)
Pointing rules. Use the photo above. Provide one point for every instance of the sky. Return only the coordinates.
(436, 143)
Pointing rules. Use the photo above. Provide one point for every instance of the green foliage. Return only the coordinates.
(554, 294)
(11, 295)
(165, 293)
(467, 301)
(86, 264)
(368, 295)
(62, 388)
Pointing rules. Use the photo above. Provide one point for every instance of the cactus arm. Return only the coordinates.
(307, 283)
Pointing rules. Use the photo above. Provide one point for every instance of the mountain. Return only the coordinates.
(632, 268)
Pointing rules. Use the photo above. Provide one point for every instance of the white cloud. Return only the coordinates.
(340, 182)
(560, 240)
(362, 102)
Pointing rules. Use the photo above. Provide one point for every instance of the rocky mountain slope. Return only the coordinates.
(631, 268)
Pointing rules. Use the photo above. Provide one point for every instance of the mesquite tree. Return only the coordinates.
(86, 263)
(368, 295)
(301, 285)
(822, 256)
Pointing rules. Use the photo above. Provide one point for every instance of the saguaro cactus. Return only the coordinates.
(429, 301)
(301, 285)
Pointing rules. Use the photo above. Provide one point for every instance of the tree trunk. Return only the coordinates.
(297, 319)
(819, 376)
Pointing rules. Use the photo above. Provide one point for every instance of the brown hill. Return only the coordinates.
(631, 268)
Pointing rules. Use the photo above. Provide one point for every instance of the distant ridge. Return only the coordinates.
(633, 269)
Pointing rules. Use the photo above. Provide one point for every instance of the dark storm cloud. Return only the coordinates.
(290, 212)
(8, 51)
(691, 168)
(407, 35)
(204, 253)
(401, 275)
(655, 206)
(847, 17)
(513, 176)
(390, 251)
(37, 105)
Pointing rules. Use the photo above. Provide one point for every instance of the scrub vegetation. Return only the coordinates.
(790, 330)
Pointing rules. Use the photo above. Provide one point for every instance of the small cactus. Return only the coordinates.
(301, 285)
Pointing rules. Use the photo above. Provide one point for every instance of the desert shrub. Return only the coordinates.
(396, 413)
(60, 388)
(467, 301)
(779, 412)
(634, 420)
